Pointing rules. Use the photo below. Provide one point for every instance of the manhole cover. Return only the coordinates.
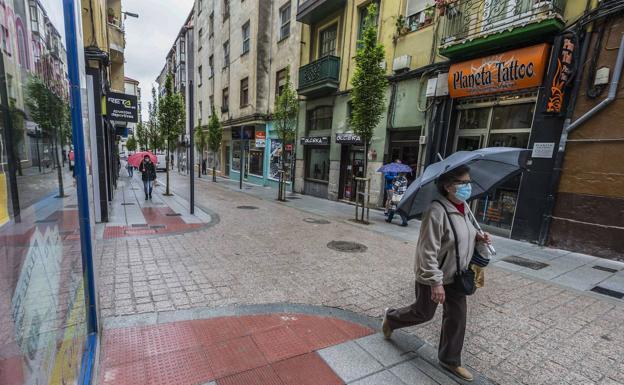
(127, 204)
(524, 262)
(135, 189)
(139, 225)
(317, 221)
(174, 215)
(347, 247)
(157, 227)
(247, 207)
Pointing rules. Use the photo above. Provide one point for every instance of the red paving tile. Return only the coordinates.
(318, 332)
(183, 367)
(353, 331)
(212, 331)
(260, 376)
(127, 374)
(169, 337)
(308, 369)
(279, 344)
(258, 323)
(122, 346)
(234, 356)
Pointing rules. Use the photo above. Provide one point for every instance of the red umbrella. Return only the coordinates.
(136, 158)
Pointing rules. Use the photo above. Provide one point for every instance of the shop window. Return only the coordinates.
(328, 41)
(320, 118)
(236, 155)
(317, 164)
(285, 21)
(256, 159)
(275, 161)
(246, 38)
(474, 118)
(244, 92)
(280, 82)
(513, 116)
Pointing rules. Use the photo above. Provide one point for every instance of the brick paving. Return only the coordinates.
(521, 330)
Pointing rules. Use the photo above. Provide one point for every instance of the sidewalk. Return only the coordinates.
(573, 270)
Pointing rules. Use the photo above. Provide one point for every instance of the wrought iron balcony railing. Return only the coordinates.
(473, 19)
(320, 76)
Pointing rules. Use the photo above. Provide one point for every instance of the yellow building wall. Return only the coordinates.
(94, 24)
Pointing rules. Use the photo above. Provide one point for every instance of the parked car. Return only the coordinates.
(161, 161)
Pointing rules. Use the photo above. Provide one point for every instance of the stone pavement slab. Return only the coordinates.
(388, 353)
(383, 378)
(350, 361)
(409, 373)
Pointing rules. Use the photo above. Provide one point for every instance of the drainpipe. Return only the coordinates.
(569, 126)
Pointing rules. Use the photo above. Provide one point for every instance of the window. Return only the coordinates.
(226, 9)
(280, 82)
(244, 92)
(320, 118)
(211, 24)
(211, 101)
(226, 54)
(317, 164)
(6, 41)
(199, 113)
(34, 19)
(225, 100)
(285, 21)
(328, 41)
(363, 14)
(256, 159)
(211, 66)
(199, 7)
(201, 33)
(418, 14)
(200, 74)
(246, 38)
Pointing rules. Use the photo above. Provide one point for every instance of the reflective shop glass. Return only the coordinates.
(42, 303)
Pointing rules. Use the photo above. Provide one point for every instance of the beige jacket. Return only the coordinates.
(436, 244)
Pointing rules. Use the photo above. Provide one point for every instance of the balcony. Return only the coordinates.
(319, 77)
(311, 11)
(477, 26)
(116, 42)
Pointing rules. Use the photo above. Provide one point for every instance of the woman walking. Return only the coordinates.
(148, 172)
(435, 267)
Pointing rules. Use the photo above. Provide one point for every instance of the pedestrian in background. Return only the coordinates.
(389, 180)
(399, 186)
(148, 172)
(130, 169)
(438, 253)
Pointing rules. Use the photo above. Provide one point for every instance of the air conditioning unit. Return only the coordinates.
(401, 63)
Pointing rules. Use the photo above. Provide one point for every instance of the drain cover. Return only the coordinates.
(609, 292)
(317, 221)
(139, 225)
(157, 227)
(524, 262)
(603, 268)
(247, 207)
(71, 206)
(347, 247)
(174, 215)
(127, 204)
(293, 198)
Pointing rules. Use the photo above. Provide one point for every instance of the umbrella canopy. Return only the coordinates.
(395, 168)
(136, 158)
(489, 167)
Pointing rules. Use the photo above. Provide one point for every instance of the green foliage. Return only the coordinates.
(46, 109)
(153, 135)
(171, 113)
(142, 137)
(369, 81)
(286, 111)
(215, 132)
(17, 118)
(201, 138)
(131, 144)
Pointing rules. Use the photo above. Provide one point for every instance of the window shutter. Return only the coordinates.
(415, 6)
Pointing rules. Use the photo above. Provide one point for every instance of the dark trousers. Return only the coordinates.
(423, 310)
(147, 186)
(391, 215)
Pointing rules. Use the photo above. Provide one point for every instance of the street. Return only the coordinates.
(520, 330)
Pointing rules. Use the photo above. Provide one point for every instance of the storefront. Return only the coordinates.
(351, 164)
(248, 148)
(316, 165)
(495, 101)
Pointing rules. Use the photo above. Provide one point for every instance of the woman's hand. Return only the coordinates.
(437, 294)
(484, 237)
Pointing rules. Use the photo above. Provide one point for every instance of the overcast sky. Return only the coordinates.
(149, 38)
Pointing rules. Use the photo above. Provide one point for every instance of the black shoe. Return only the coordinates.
(146, 197)
(403, 224)
(388, 220)
(150, 196)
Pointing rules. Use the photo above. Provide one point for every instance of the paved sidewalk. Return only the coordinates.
(574, 270)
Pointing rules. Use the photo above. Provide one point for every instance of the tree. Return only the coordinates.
(171, 118)
(201, 142)
(369, 84)
(141, 136)
(285, 120)
(215, 136)
(49, 112)
(131, 144)
(154, 138)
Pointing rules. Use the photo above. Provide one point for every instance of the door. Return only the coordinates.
(227, 160)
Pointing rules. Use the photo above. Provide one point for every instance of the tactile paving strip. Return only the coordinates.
(234, 356)
(318, 332)
(169, 337)
(183, 367)
(259, 323)
(260, 376)
(127, 374)
(122, 346)
(308, 369)
(280, 343)
(215, 330)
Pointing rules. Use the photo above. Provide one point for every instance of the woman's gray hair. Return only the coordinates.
(450, 177)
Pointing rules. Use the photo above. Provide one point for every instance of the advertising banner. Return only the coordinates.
(122, 107)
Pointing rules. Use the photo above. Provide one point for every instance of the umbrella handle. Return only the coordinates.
(476, 223)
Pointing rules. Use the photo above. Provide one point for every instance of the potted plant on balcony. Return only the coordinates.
(401, 28)
(429, 14)
(447, 7)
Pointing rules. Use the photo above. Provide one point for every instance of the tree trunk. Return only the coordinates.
(214, 172)
(59, 169)
(167, 171)
(199, 164)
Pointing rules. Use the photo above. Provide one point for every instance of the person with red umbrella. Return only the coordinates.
(148, 171)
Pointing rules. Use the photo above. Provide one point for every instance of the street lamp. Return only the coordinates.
(130, 14)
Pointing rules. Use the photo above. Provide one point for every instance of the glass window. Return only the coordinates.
(211, 25)
(275, 160)
(200, 75)
(236, 155)
(474, 118)
(285, 21)
(280, 82)
(256, 159)
(328, 41)
(226, 9)
(226, 54)
(225, 100)
(211, 66)
(246, 38)
(317, 164)
(244, 92)
(513, 116)
(363, 15)
(200, 113)
(320, 118)
(509, 140)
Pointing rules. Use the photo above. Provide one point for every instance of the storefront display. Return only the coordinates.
(317, 164)
(275, 161)
(256, 159)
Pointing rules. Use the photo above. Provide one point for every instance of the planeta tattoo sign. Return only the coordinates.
(507, 71)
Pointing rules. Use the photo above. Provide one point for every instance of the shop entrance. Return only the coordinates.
(405, 146)
(227, 160)
(497, 123)
(351, 167)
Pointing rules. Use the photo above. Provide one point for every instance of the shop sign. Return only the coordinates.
(315, 141)
(260, 139)
(507, 71)
(543, 150)
(349, 138)
(122, 107)
(562, 78)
